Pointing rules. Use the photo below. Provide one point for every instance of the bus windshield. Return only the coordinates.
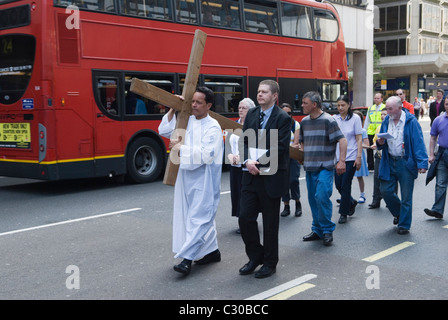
(16, 65)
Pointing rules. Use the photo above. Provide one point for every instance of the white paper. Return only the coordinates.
(256, 154)
(385, 135)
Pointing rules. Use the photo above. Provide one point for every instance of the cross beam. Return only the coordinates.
(184, 107)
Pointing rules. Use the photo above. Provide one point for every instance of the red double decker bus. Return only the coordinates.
(66, 110)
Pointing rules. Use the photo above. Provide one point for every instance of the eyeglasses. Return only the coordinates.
(400, 94)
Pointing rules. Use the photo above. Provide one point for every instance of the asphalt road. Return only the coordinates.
(97, 239)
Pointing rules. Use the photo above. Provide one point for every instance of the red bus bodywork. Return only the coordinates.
(71, 137)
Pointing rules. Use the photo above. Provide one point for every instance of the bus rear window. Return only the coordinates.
(16, 65)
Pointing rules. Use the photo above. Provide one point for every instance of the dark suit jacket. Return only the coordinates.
(277, 180)
(433, 109)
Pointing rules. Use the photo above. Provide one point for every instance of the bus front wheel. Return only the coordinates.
(144, 160)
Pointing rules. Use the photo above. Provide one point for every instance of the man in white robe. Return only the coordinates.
(197, 188)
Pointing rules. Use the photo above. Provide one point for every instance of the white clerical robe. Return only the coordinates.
(197, 188)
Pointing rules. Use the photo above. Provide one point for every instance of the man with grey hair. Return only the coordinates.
(319, 137)
(403, 157)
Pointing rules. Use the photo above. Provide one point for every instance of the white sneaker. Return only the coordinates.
(361, 199)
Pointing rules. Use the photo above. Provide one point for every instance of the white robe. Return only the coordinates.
(197, 188)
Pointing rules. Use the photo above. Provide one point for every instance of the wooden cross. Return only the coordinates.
(184, 107)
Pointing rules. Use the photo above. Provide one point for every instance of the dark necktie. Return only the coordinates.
(261, 119)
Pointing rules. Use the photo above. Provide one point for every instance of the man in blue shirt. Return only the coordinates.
(439, 134)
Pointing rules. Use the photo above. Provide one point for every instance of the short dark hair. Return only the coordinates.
(207, 92)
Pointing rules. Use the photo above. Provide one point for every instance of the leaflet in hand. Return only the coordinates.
(255, 153)
(385, 135)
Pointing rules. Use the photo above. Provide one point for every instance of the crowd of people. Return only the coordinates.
(263, 175)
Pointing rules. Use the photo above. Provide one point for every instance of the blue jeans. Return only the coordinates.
(320, 188)
(402, 208)
(343, 184)
(441, 184)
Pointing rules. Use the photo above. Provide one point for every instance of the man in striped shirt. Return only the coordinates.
(319, 135)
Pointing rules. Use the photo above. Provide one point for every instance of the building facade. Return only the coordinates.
(357, 18)
(412, 39)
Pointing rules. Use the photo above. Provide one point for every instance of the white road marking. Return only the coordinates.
(287, 287)
(68, 221)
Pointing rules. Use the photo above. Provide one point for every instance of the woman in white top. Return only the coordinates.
(236, 172)
(350, 125)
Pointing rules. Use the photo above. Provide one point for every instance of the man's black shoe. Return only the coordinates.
(286, 211)
(214, 256)
(311, 237)
(264, 272)
(183, 267)
(403, 231)
(352, 208)
(249, 267)
(396, 219)
(434, 214)
(374, 205)
(328, 239)
(342, 218)
(298, 212)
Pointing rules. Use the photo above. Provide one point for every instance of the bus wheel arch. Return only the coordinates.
(145, 159)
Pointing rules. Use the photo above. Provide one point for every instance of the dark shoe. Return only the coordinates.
(249, 267)
(352, 208)
(342, 218)
(264, 272)
(286, 211)
(328, 239)
(298, 212)
(396, 219)
(434, 214)
(403, 231)
(214, 256)
(183, 267)
(311, 237)
(374, 205)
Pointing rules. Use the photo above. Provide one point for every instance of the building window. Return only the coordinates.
(393, 47)
(430, 17)
(393, 18)
(428, 45)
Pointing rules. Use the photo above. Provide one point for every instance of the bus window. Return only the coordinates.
(107, 94)
(228, 92)
(95, 5)
(221, 13)
(186, 11)
(156, 9)
(325, 26)
(136, 105)
(296, 21)
(261, 16)
(330, 93)
(16, 65)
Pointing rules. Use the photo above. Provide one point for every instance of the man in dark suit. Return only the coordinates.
(436, 106)
(265, 178)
